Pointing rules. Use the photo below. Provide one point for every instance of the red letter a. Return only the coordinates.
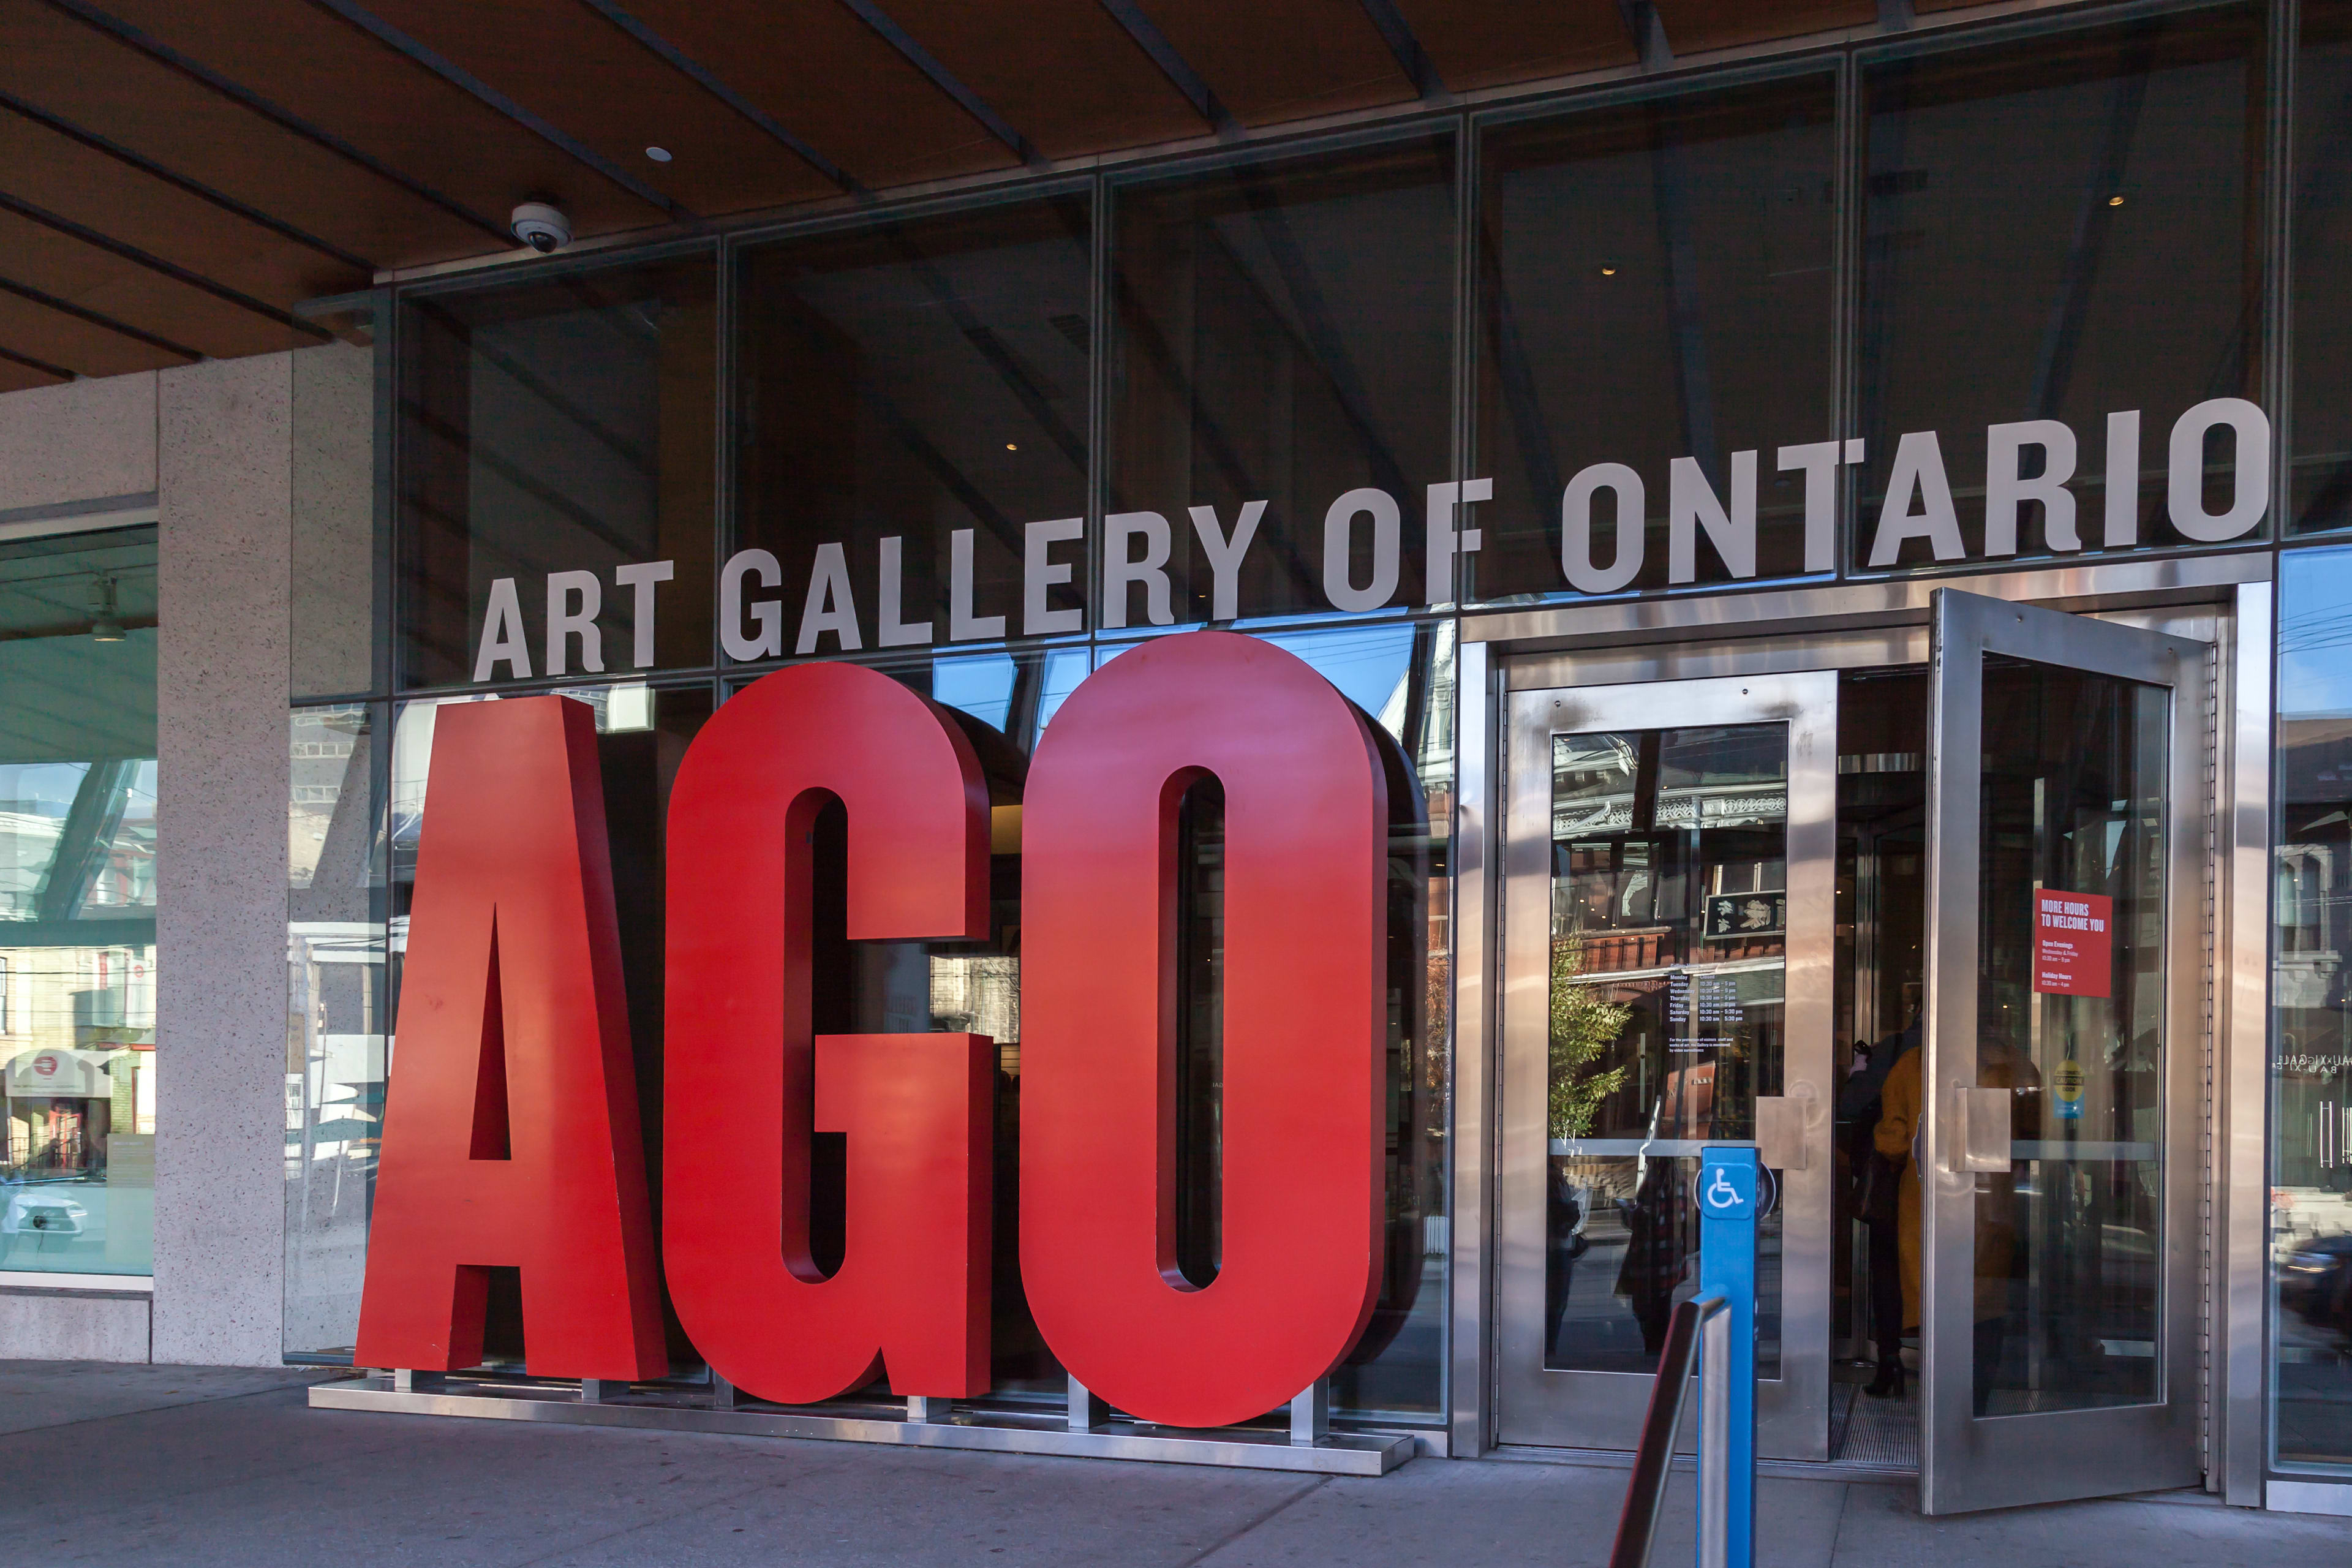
(511, 1134)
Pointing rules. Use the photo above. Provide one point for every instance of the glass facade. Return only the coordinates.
(78, 973)
(2311, 987)
(1907, 305)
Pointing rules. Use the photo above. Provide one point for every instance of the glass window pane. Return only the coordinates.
(2056, 230)
(913, 419)
(2320, 493)
(1654, 283)
(2069, 1022)
(553, 433)
(2311, 1061)
(337, 1018)
(1280, 370)
(1669, 917)
(78, 638)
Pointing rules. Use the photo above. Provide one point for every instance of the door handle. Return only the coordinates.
(1984, 1130)
(1780, 1129)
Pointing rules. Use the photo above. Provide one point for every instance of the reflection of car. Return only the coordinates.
(40, 1211)
(2316, 1283)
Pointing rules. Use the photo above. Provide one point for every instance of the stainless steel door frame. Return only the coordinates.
(1969, 1462)
(1603, 1409)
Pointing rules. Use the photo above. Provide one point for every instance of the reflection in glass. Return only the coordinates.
(1669, 909)
(2057, 230)
(78, 1088)
(558, 426)
(2070, 1021)
(915, 394)
(2311, 985)
(336, 1017)
(1282, 336)
(1654, 283)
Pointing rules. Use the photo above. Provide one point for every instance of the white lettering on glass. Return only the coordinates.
(829, 607)
(566, 620)
(642, 575)
(2007, 489)
(1444, 542)
(1225, 553)
(1576, 528)
(1818, 461)
(767, 615)
(1040, 572)
(889, 631)
(1919, 472)
(963, 625)
(2122, 523)
(1338, 544)
(1122, 570)
(2184, 493)
(502, 638)
(1692, 504)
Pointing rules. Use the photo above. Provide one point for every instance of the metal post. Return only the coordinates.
(1087, 1412)
(928, 1408)
(600, 1390)
(1310, 1413)
(1729, 1182)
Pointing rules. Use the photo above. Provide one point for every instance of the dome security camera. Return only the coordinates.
(542, 227)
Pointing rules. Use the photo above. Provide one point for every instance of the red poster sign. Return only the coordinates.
(2074, 942)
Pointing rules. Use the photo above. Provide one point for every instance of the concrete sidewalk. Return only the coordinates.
(181, 1464)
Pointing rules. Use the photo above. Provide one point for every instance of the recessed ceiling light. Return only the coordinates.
(658, 154)
(1013, 446)
(2114, 201)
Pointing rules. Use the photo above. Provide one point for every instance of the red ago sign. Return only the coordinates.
(511, 1134)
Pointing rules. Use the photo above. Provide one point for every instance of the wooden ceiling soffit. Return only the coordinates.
(1062, 72)
(824, 76)
(49, 170)
(1278, 60)
(1696, 27)
(58, 336)
(1494, 43)
(333, 75)
(98, 279)
(595, 83)
(85, 78)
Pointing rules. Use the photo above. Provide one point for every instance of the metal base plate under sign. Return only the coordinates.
(1339, 1453)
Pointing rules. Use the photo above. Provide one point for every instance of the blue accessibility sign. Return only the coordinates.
(1726, 1191)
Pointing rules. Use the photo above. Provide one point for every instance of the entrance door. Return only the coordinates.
(2065, 978)
(1668, 931)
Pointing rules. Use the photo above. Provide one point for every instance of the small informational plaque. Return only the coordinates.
(1735, 916)
(2074, 942)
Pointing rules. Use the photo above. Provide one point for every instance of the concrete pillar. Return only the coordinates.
(224, 464)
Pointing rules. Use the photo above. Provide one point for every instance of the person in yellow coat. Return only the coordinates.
(1999, 1065)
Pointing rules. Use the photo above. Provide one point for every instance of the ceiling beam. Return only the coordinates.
(47, 300)
(945, 81)
(458, 75)
(702, 76)
(153, 263)
(246, 98)
(197, 188)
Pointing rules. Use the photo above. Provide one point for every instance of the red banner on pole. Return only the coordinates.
(2074, 943)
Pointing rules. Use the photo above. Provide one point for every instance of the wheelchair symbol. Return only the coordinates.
(1721, 1193)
